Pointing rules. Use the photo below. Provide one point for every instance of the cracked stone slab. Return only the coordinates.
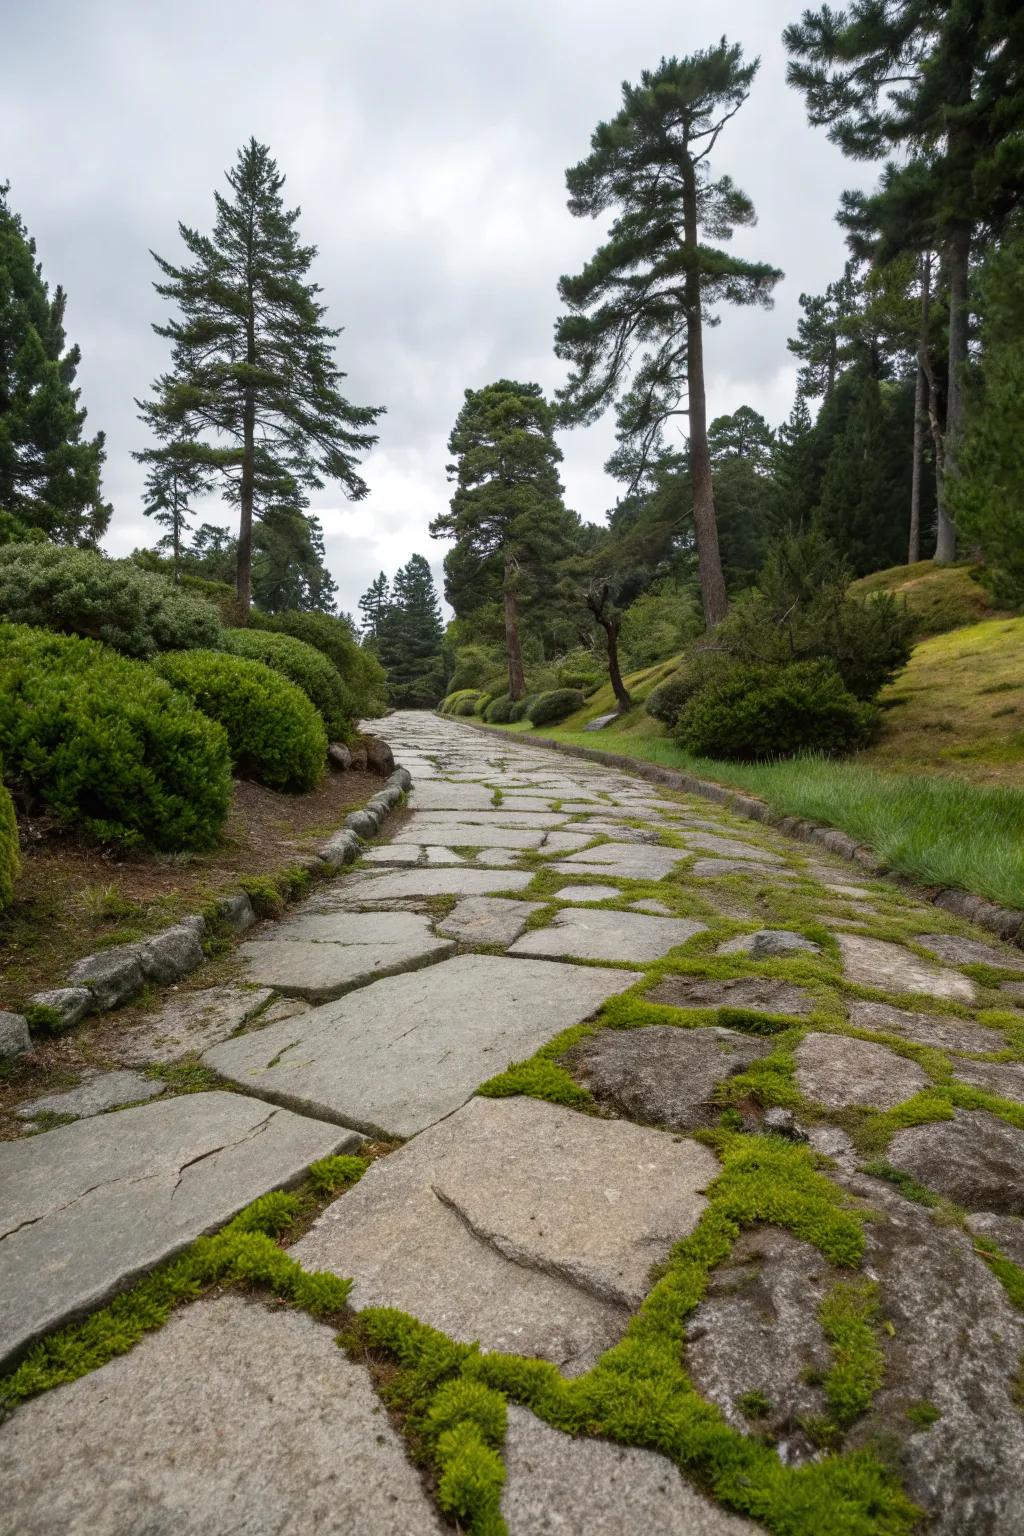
(713, 869)
(565, 842)
(468, 834)
(944, 1031)
(632, 862)
(837, 1070)
(319, 955)
(1007, 1232)
(759, 994)
(975, 1159)
(663, 1074)
(957, 951)
(607, 935)
(730, 848)
(190, 1023)
(443, 795)
(98, 1092)
(231, 1418)
(378, 889)
(402, 1053)
(518, 1223)
(890, 967)
(487, 920)
(591, 893)
(497, 858)
(90, 1207)
(563, 1485)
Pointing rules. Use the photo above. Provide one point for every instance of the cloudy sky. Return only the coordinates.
(426, 142)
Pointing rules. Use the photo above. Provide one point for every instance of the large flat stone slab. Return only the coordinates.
(662, 1074)
(232, 1418)
(518, 1223)
(891, 968)
(976, 1159)
(443, 795)
(758, 994)
(190, 1023)
(607, 935)
(319, 955)
(837, 1070)
(376, 890)
(88, 1208)
(97, 1092)
(402, 1053)
(561, 1485)
(730, 847)
(487, 920)
(632, 863)
(942, 1030)
(467, 834)
(957, 951)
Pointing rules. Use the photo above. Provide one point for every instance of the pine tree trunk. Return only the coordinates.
(914, 545)
(959, 262)
(621, 692)
(516, 675)
(705, 525)
(243, 566)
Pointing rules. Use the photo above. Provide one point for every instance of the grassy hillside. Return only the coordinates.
(941, 597)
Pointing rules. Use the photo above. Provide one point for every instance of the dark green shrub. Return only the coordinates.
(307, 668)
(104, 744)
(499, 710)
(79, 592)
(10, 861)
(753, 713)
(275, 734)
(549, 708)
(481, 702)
(475, 667)
(521, 707)
(358, 667)
(465, 704)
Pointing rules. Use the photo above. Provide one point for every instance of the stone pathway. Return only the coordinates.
(601, 1021)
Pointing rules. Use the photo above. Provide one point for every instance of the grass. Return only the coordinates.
(941, 597)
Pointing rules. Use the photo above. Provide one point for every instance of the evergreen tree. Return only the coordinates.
(213, 553)
(410, 637)
(175, 478)
(253, 384)
(743, 435)
(819, 342)
(506, 514)
(374, 606)
(289, 571)
(634, 331)
(49, 473)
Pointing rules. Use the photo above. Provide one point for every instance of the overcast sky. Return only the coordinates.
(426, 142)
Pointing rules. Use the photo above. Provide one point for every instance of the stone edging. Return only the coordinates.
(111, 976)
(1006, 922)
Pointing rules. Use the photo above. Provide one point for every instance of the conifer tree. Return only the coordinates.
(506, 515)
(49, 473)
(374, 606)
(634, 331)
(253, 382)
(176, 477)
(410, 638)
(289, 569)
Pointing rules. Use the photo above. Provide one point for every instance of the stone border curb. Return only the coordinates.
(1006, 922)
(110, 977)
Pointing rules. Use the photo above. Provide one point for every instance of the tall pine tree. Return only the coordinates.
(410, 638)
(634, 331)
(374, 606)
(49, 473)
(176, 477)
(253, 382)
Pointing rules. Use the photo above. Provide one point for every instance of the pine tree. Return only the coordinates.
(253, 383)
(634, 331)
(506, 515)
(289, 571)
(176, 477)
(743, 435)
(374, 606)
(410, 638)
(49, 473)
(820, 340)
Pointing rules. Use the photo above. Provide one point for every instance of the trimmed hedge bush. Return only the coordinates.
(466, 705)
(103, 744)
(304, 666)
(754, 713)
(549, 708)
(78, 592)
(499, 710)
(358, 667)
(10, 859)
(521, 707)
(275, 734)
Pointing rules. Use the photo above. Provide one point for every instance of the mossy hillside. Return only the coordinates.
(940, 597)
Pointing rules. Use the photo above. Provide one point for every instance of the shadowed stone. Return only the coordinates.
(975, 1159)
(877, 963)
(112, 976)
(487, 920)
(836, 1070)
(94, 1094)
(341, 849)
(607, 935)
(88, 1208)
(401, 1053)
(590, 893)
(320, 955)
(232, 1418)
(949, 1034)
(72, 1003)
(768, 944)
(376, 889)
(662, 1074)
(1005, 1078)
(235, 911)
(518, 1223)
(572, 1486)
(712, 869)
(757, 993)
(190, 1023)
(15, 1039)
(957, 951)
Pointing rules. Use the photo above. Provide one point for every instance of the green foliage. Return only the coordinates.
(849, 1319)
(475, 667)
(666, 701)
(923, 1413)
(499, 710)
(10, 858)
(408, 637)
(49, 473)
(275, 734)
(358, 666)
(520, 707)
(304, 666)
(44, 1020)
(103, 744)
(549, 708)
(755, 713)
(80, 592)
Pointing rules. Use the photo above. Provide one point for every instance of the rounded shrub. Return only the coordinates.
(103, 744)
(304, 666)
(481, 702)
(10, 860)
(754, 713)
(274, 733)
(499, 710)
(466, 703)
(521, 707)
(358, 667)
(549, 708)
(79, 592)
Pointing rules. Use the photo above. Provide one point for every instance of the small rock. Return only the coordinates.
(379, 756)
(174, 953)
(112, 976)
(782, 1122)
(836, 1070)
(342, 848)
(591, 893)
(102, 1091)
(339, 756)
(358, 753)
(72, 1003)
(757, 993)
(15, 1039)
(656, 908)
(402, 777)
(768, 943)
(958, 951)
(975, 1159)
(235, 912)
(363, 823)
(600, 721)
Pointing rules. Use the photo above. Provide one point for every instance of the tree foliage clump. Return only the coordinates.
(304, 666)
(80, 592)
(407, 634)
(275, 735)
(49, 472)
(103, 745)
(557, 704)
(10, 859)
(756, 712)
